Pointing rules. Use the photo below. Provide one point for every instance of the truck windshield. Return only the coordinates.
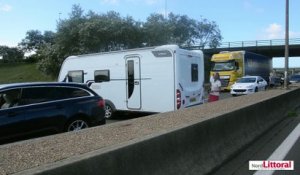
(223, 66)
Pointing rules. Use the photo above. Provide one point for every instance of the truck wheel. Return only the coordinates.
(256, 89)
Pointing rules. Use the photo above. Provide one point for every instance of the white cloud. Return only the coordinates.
(276, 31)
(5, 8)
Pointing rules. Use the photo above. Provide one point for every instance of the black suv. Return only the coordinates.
(28, 108)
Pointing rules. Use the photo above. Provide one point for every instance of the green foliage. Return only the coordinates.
(208, 33)
(51, 61)
(181, 30)
(156, 30)
(11, 55)
(92, 32)
(21, 72)
(34, 40)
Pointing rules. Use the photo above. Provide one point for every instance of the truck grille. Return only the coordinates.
(224, 82)
(239, 90)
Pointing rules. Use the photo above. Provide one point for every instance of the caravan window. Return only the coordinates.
(102, 75)
(75, 76)
(194, 72)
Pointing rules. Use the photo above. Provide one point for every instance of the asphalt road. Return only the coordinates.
(271, 146)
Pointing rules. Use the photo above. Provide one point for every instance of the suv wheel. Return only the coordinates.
(76, 125)
(108, 111)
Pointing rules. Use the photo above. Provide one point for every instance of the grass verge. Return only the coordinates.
(22, 72)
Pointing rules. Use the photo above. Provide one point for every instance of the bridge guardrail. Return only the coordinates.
(256, 43)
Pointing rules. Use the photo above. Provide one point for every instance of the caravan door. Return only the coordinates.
(133, 82)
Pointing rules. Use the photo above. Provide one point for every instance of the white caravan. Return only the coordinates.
(157, 79)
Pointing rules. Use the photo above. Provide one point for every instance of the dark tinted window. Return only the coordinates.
(65, 93)
(10, 98)
(46, 94)
(162, 53)
(37, 95)
(102, 75)
(130, 74)
(75, 76)
(194, 72)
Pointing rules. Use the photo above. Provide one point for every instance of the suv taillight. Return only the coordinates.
(178, 98)
(101, 103)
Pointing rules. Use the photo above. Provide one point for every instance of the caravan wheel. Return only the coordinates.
(108, 111)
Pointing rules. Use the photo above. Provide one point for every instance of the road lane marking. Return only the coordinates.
(284, 148)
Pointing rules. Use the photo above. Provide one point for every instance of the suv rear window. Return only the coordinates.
(45, 94)
(37, 95)
(64, 93)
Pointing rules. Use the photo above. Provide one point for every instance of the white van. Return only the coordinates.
(157, 79)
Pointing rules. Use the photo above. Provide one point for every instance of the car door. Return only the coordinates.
(261, 85)
(12, 118)
(43, 112)
(133, 82)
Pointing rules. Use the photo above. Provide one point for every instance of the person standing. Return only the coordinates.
(211, 79)
(215, 88)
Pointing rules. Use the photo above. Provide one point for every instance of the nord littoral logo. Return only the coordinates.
(271, 165)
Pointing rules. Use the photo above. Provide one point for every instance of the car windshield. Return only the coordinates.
(223, 66)
(247, 80)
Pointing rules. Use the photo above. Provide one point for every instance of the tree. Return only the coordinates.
(207, 33)
(156, 31)
(92, 32)
(34, 40)
(68, 32)
(11, 55)
(181, 30)
(51, 60)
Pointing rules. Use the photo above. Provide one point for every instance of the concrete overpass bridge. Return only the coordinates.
(271, 48)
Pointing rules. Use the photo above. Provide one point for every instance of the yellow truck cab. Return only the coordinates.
(233, 65)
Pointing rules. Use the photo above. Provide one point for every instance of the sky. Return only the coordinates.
(238, 20)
